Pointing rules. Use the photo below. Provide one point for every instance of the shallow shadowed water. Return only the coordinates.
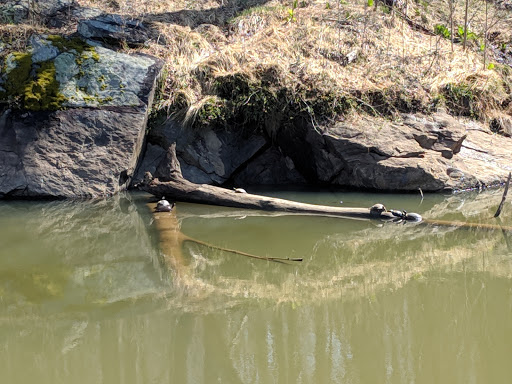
(86, 295)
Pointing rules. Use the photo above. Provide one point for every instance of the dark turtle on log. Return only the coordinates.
(405, 216)
(377, 209)
(413, 217)
(398, 214)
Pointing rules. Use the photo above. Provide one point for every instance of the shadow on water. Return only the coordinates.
(77, 256)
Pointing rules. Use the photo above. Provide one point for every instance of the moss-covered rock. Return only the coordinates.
(29, 86)
(59, 72)
(17, 69)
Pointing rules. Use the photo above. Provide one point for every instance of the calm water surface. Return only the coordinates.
(88, 294)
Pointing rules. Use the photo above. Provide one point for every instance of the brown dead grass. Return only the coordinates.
(392, 58)
(310, 50)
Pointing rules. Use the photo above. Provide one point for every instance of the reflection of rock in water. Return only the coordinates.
(79, 253)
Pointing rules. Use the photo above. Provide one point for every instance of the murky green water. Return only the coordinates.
(86, 296)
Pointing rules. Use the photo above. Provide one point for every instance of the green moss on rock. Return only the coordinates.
(21, 63)
(42, 93)
(32, 91)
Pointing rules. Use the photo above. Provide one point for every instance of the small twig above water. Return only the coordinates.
(421, 193)
(503, 198)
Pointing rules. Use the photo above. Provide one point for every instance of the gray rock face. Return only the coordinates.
(442, 134)
(433, 153)
(152, 157)
(270, 168)
(212, 157)
(114, 29)
(49, 8)
(79, 152)
(206, 157)
(42, 49)
(73, 153)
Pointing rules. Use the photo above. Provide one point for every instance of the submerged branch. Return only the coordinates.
(172, 239)
(277, 259)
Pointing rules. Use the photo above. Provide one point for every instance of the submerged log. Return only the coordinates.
(171, 241)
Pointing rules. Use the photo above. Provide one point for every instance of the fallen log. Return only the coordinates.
(174, 185)
(180, 189)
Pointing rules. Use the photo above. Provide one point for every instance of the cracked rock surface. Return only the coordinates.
(434, 153)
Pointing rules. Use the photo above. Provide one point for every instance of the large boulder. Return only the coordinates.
(78, 120)
(434, 153)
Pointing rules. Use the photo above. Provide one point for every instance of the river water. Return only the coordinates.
(91, 293)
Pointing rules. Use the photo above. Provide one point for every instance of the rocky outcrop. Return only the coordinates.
(114, 28)
(17, 11)
(81, 119)
(219, 156)
(434, 153)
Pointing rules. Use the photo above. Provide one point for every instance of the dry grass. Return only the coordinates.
(392, 58)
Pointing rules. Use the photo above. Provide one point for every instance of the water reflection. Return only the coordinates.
(75, 254)
(86, 297)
